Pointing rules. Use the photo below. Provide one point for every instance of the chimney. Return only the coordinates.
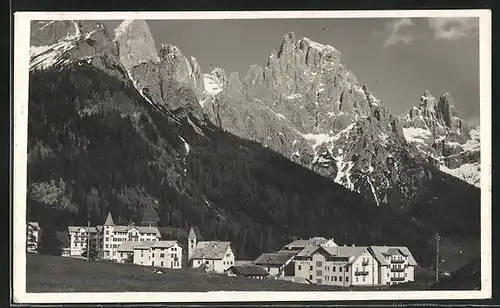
(345, 245)
(353, 245)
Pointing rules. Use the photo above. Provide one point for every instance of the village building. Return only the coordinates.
(114, 235)
(213, 256)
(108, 238)
(396, 264)
(248, 271)
(165, 254)
(32, 236)
(354, 265)
(78, 239)
(277, 264)
(298, 245)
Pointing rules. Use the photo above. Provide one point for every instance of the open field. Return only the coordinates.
(56, 274)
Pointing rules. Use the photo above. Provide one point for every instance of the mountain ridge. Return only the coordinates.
(101, 141)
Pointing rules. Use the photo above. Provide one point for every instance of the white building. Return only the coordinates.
(166, 254)
(32, 236)
(214, 256)
(347, 266)
(395, 264)
(78, 238)
(108, 238)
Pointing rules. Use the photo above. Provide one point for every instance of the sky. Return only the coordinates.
(397, 58)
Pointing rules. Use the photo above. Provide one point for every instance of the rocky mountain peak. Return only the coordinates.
(135, 43)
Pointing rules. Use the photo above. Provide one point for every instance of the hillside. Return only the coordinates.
(98, 142)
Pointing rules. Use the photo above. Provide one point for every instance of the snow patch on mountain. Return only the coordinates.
(470, 173)
(415, 134)
(44, 57)
(213, 85)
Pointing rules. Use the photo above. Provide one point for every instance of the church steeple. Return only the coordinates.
(191, 243)
(109, 220)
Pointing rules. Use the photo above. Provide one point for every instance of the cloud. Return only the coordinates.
(453, 28)
(394, 28)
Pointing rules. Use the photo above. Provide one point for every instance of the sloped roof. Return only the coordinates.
(144, 245)
(352, 253)
(34, 224)
(274, 258)
(163, 244)
(248, 270)
(314, 241)
(191, 234)
(127, 246)
(210, 250)
(380, 251)
(243, 262)
(142, 229)
(109, 220)
(72, 229)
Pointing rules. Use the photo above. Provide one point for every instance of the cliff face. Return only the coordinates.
(436, 130)
(140, 134)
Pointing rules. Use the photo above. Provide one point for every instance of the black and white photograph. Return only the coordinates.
(252, 156)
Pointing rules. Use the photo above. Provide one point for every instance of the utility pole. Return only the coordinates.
(88, 240)
(437, 256)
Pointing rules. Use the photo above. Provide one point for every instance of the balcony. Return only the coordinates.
(400, 270)
(397, 278)
(361, 273)
(364, 263)
(397, 261)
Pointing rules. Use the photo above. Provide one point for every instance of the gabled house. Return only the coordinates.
(341, 266)
(248, 271)
(396, 264)
(78, 239)
(32, 236)
(213, 256)
(276, 263)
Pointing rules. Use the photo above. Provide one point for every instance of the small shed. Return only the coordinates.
(249, 271)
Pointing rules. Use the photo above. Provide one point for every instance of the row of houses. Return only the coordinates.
(316, 260)
(321, 261)
(143, 245)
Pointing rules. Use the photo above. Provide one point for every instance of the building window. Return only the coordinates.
(340, 269)
(153, 254)
(162, 255)
(153, 263)
(356, 279)
(347, 279)
(310, 277)
(319, 264)
(346, 269)
(334, 278)
(161, 263)
(300, 267)
(340, 278)
(121, 254)
(311, 268)
(364, 278)
(387, 274)
(319, 281)
(334, 268)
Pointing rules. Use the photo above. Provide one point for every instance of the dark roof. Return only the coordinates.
(109, 220)
(274, 258)
(248, 270)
